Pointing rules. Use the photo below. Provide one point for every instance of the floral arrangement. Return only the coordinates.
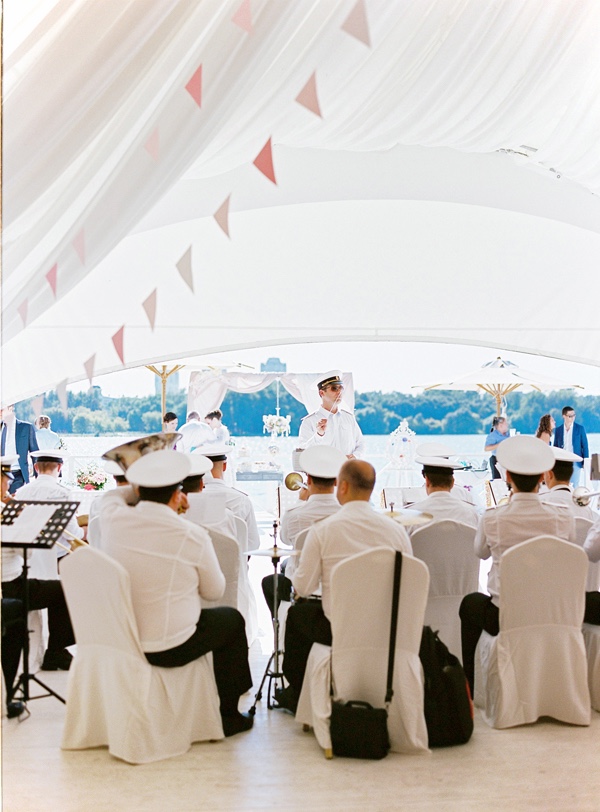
(91, 478)
(275, 425)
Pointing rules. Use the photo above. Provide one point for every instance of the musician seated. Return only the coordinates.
(440, 502)
(354, 528)
(172, 565)
(558, 482)
(202, 509)
(321, 464)
(592, 599)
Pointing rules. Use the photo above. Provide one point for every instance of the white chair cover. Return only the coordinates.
(241, 533)
(582, 526)
(115, 697)
(447, 547)
(361, 598)
(591, 636)
(536, 666)
(228, 553)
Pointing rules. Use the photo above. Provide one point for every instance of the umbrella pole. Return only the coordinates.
(498, 397)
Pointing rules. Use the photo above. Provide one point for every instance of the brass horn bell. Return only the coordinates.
(583, 496)
(294, 481)
(128, 453)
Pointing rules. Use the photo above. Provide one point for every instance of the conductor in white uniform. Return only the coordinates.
(332, 424)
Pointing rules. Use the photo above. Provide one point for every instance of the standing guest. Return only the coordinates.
(18, 438)
(172, 566)
(170, 422)
(237, 501)
(331, 424)
(572, 437)
(497, 435)
(545, 428)
(194, 433)
(215, 421)
(557, 481)
(354, 528)
(46, 438)
(524, 517)
(440, 502)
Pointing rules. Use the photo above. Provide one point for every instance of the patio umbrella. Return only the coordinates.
(498, 378)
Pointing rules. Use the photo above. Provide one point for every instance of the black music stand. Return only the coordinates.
(12, 514)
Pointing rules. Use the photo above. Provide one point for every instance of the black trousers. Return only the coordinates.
(592, 608)
(306, 624)
(494, 470)
(46, 595)
(13, 635)
(284, 589)
(477, 614)
(223, 631)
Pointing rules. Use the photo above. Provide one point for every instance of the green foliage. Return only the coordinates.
(435, 412)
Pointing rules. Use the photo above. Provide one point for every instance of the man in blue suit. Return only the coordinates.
(18, 437)
(572, 437)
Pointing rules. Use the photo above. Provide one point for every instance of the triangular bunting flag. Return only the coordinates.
(37, 404)
(117, 340)
(222, 215)
(23, 311)
(61, 393)
(243, 17)
(79, 246)
(184, 266)
(264, 162)
(149, 306)
(51, 277)
(356, 23)
(308, 96)
(89, 367)
(152, 144)
(194, 87)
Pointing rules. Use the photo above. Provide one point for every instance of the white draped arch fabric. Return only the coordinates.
(419, 151)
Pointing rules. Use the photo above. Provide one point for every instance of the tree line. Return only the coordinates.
(434, 412)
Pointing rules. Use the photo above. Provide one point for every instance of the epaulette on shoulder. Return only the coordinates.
(237, 490)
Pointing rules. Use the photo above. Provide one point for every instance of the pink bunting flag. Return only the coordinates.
(79, 246)
(356, 23)
(308, 96)
(89, 367)
(222, 215)
(51, 276)
(243, 17)
(184, 266)
(23, 311)
(149, 306)
(61, 393)
(37, 404)
(264, 162)
(194, 87)
(117, 340)
(152, 144)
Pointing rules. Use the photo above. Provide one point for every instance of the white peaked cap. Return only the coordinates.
(199, 464)
(322, 461)
(434, 450)
(525, 455)
(213, 451)
(438, 462)
(159, 469)
(565, 456)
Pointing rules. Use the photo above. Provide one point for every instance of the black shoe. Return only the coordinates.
(57, 660)
(286, 698)
(237, 724)
(15, 708)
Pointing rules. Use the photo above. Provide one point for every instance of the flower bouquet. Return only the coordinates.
(91, 478)
(276, 425)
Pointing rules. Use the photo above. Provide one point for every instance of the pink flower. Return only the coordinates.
(88, 487)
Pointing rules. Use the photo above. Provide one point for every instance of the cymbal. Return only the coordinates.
(274, 552)
(409, 517)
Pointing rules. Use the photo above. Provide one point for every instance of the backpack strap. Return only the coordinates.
(393, 626)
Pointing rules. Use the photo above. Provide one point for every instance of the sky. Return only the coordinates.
(376, 366)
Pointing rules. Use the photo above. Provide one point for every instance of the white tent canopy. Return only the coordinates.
(436, 164)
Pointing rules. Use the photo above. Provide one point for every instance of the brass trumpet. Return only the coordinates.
(582, 496)
(294, 481)
(128, 453)
(75, 543)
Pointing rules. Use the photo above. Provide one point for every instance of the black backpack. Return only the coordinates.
(448, 706)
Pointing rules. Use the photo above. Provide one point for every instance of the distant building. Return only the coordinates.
(172, 384)
(273, 365)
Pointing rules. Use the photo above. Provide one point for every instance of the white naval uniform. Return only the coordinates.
(239, 504)
(592, 542)
(354, 528)
(342, 431)
(318, 506)
(523, 518)
(444, 505)
(47, 488)
(563, 495)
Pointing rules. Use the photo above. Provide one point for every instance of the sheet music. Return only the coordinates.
(28, 524)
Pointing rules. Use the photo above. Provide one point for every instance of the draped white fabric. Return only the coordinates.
(102, 140)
